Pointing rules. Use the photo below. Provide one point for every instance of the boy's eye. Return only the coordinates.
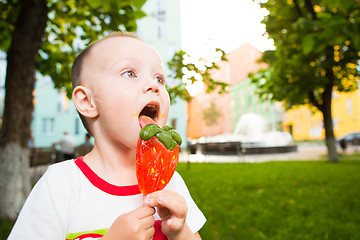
(130, 74)
(159, 80)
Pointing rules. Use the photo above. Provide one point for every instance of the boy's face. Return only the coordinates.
(127, 81)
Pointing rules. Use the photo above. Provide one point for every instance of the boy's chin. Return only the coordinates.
(134, 142)
(131, 147)
(131, 142)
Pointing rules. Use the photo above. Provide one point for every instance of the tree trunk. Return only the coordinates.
(14, 179)
(19, 85)
(328, 124)
(330, 138)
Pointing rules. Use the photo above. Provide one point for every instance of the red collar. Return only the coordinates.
(102, 184)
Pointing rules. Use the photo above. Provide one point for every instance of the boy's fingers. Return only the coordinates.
(144, 211)
(148, 222)
(150, 233)
(167, 199)
(159, 199)
(152, 200)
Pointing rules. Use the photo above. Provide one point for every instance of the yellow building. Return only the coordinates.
(307, 123)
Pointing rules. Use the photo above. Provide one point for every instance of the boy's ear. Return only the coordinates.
(84, 103)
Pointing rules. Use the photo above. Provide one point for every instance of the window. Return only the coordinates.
(161, 10)
(173, 123)
(316, 129)
(77, 126)
(161, 19)
(349, 106)
(336, 123)
(62, 102)
(48, 126)
(161, 30)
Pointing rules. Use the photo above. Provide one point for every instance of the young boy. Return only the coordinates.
(97, 196)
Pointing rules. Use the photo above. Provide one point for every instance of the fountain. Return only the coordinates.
(250, 137)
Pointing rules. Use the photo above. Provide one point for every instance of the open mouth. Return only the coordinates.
(149, 114)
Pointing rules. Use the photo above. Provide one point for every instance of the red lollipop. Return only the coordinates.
(157, 155)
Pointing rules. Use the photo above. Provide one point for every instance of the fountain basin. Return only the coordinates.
(238, 148)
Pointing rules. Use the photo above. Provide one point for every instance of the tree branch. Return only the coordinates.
(297, 8)
(313, 100)
(309, 6)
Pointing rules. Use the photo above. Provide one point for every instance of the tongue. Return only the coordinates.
(145, 120)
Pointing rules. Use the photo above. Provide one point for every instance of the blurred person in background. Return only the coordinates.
(85, 147)
(67, 145)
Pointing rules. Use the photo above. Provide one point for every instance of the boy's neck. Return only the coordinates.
(115, 167)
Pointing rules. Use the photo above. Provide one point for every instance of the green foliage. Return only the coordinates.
(211, 115)
(71, 25)
(277, 200)
(202, 68)
(317, 47)
(8, 16)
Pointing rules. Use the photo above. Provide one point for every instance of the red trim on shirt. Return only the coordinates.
(89, 235)
(102, 184)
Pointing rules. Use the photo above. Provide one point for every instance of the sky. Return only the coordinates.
(226, 24)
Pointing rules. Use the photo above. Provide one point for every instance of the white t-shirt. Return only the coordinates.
(71, 202)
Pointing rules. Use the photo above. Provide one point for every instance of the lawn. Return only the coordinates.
(277, 200)
(274, 200)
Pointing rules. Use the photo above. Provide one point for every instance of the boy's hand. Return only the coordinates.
(137, 224)
(172, 210)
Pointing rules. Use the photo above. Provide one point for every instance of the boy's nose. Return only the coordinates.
(152, 86)
(154, 89)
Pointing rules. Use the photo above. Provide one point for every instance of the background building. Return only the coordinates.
(307, 123)
(214, 114)
(53, 114)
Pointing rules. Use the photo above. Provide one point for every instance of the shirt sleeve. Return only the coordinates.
(195, 218)
(40, 217)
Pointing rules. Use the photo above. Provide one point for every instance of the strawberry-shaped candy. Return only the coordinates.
(157, 154)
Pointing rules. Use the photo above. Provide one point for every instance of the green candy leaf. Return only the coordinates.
(166, 140)
(166, 135)
(167, 128)
(176, 136)
(149, 131)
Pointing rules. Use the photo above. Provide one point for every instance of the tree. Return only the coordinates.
(186, 71)
(317, 51)
(44, 35)
(211, 115)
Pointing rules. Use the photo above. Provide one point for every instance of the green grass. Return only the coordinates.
(277, 200)
(274, 200)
